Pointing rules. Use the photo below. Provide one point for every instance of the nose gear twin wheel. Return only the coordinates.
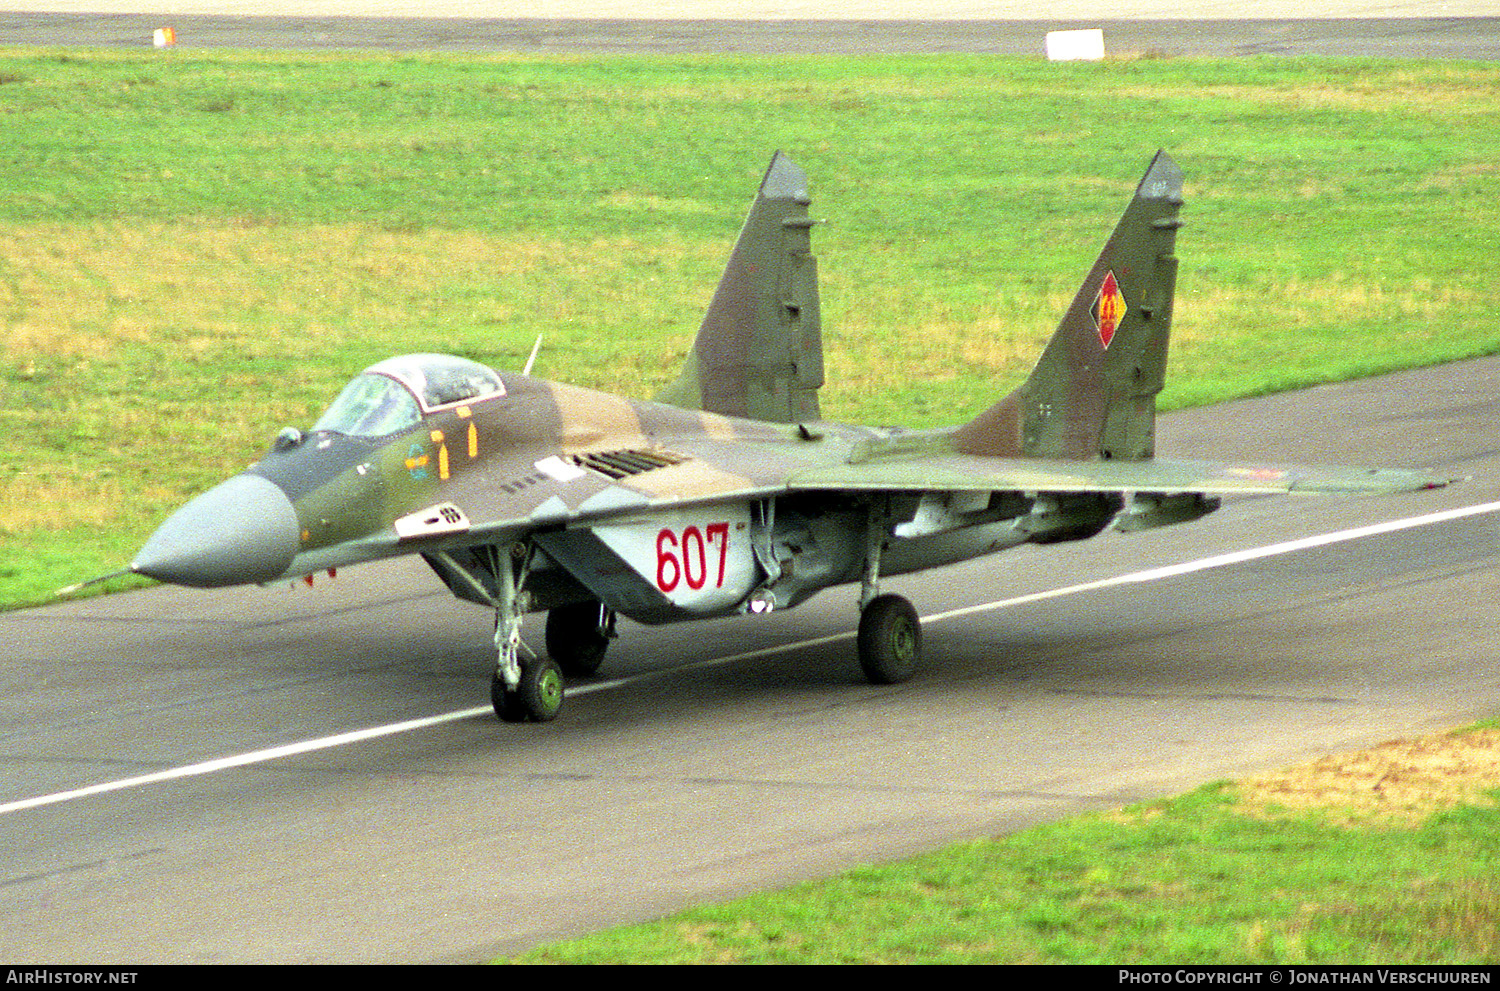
(536, 699)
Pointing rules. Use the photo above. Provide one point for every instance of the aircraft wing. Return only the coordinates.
(972, 473)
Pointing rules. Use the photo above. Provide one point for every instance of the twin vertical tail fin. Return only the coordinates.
(1093, 393)
(759, 351)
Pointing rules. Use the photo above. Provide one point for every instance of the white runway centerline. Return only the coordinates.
(392, 729)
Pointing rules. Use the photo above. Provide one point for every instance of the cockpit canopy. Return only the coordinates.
(394, 394)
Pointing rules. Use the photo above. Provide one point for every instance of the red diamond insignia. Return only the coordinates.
(1109, 309)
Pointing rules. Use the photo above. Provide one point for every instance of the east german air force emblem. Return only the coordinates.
(1109, 308)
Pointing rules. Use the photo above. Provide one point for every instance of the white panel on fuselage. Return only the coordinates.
(700, 558)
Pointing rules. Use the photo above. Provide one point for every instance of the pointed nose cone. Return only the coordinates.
(239, 532)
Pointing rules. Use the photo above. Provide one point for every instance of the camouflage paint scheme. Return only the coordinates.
(728, 494)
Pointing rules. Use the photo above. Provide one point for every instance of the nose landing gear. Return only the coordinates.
(528, 689)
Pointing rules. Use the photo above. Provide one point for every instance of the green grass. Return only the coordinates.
(1212, 877)
(197, 249)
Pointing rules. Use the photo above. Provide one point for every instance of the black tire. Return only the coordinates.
(537, 699)
(574, 639)
(507, 704)
(541, 691)
(890, 640)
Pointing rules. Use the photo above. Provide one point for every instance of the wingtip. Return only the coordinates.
(1418, 482)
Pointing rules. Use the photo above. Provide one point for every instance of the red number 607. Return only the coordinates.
(687, 559)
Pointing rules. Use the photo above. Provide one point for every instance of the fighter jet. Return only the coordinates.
(727, 494)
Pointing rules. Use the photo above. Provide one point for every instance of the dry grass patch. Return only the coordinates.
(66, 294)
(31, 501)
(1435, 88)
(1402, 781)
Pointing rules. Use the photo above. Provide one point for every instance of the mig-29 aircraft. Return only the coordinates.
(727, 494)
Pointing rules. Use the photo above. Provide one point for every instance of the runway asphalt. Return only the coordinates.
(679, 777)
(715, 759)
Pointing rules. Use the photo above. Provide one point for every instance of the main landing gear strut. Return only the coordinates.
(890, 632)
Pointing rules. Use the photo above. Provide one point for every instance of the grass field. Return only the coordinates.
(198, 249)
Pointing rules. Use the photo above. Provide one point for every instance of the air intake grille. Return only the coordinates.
(621, 464)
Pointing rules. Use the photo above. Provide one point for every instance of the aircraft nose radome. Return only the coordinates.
(239, 532)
